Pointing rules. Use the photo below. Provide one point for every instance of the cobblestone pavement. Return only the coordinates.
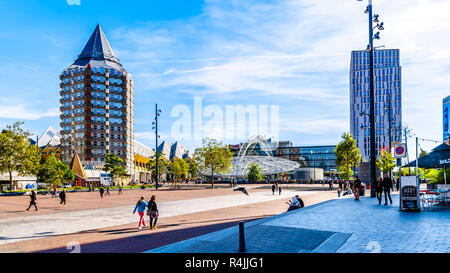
(127, 239)
(39, 226)
(341, 225)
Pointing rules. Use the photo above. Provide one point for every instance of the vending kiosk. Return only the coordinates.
(409, 194)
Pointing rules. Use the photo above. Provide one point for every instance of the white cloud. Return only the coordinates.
(298, 50)
(25, 112)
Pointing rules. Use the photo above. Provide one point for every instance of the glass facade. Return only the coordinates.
(388, 98)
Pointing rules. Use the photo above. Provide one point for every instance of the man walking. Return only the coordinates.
(273, 189)
(102, 191)
(387, 186)
(62, 196)
(32, 201)
(120, 188)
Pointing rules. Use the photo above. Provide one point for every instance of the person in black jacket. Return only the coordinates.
(387, 186)
(379, 189)
(102, 191)
(32, 201)
(153, 212)
(62, 196)
(273, 189)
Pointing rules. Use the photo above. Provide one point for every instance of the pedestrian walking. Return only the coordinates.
(273, 189)
(141, 205)
(120, 188)
(107, 191)
(55, 191)
(62, 197)
(339, 190)
(153, 212)
(379, 189)
(330, 184)
(279, 190)
(387, 186)
(102, 191)
(357, 187)
(32, 201)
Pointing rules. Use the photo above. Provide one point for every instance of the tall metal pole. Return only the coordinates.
(156, 149)
(372, 106)
(417, 162)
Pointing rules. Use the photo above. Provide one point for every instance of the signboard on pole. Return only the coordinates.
(399, 150)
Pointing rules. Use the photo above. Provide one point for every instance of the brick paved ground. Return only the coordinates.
(126, 238)
(343, 225)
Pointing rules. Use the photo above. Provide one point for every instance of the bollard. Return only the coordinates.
(241, 237)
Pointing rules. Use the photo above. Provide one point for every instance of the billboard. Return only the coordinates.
(445, 118)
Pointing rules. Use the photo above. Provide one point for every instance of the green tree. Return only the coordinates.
(113, 165)
(213, 157)
(54, 172)
(193, 169)
(386, 162)
(179, 169)
(254, 173)
(347, 155)
(16, 153)
(163, 165)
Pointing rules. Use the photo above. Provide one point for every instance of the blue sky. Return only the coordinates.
(291, 53)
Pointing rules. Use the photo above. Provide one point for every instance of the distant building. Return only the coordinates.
(49, 143)
(388, 98)
(445, 118)
(317, 156)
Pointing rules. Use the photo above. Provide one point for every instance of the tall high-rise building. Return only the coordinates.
(97, 106)
(445, 118)
(388, 98)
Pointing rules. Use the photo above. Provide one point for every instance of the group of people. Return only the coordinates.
(349, 187)
(33, 198)
(152, 212)
(383, 185)
(276, 187)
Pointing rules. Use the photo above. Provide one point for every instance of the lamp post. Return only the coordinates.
(155, 127)
(371, 49)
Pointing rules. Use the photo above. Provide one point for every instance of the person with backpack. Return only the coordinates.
(62, 196)
(141, 205)
(32, 201)
(153, 212)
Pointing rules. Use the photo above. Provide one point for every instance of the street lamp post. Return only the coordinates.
(371, 49)
(155, 127)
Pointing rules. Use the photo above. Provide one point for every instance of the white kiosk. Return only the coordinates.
(409, 194)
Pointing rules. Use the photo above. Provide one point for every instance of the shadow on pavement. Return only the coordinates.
(144, 242)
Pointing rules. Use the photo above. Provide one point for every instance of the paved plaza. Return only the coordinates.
(108, 225)
(341, 225)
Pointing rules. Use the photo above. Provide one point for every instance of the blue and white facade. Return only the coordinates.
(388, 98)
(445, 118)
(97, 106)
